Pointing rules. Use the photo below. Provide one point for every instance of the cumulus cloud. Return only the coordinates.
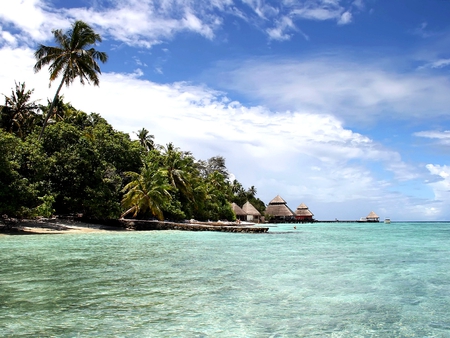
(345, 18)
(31, 20)
(441, 189)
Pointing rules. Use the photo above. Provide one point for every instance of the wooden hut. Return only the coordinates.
(253, 215)
(372, 217)
(240, 214)
(303, 214)
(278, 211)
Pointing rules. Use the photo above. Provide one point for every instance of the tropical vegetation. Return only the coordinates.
(56, 159)
(82, 165)
(73, 57)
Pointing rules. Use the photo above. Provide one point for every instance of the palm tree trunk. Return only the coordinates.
(50, 111)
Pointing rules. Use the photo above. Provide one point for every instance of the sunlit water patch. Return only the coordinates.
(318, 280)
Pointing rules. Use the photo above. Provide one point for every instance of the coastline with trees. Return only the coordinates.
(58, 160)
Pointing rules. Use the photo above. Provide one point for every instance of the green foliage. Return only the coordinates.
(88, 161)
(82, 165)
(19, 114)
(146, 140)
(18, 193)
(147, 191)
(241, 196)
(46, 208)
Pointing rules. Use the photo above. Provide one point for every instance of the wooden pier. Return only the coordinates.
(145, 225)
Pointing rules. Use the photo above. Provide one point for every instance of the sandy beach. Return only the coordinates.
(64, 226)
(58, 226)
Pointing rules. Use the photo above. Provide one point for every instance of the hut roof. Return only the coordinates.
(302, 210)
(277, 200)
(249, 209)
(237, 210)
(372, 215)
(279, 210)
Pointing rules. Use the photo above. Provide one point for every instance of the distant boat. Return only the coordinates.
(387, 221)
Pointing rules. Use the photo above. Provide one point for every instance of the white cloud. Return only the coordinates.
(441, 190)
(345, 18)
(279, 31)
(359, 4)
(321, 10)
(353, 90)
(6, 38)
(441, 63)
(145, 23)
(442, 137)
(33, 19)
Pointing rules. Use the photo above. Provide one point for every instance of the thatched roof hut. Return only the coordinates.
(303, 214)
(251, 211)
(372, 217)
(278, 209)
(240, 214)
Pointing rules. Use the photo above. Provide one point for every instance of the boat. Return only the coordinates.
(387, 221)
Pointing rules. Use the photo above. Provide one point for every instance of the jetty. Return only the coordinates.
(147, 225)
(345, 221)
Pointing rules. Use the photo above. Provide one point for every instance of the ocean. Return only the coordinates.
(318, 280)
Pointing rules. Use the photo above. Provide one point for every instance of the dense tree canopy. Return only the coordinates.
(81, 165)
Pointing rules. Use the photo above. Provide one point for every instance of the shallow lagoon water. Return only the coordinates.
(319, 280)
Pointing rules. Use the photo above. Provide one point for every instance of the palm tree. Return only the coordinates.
(251, 192)
(73, 57)
(178, 165)
(18, 115)
(148, 190)
(217, 163)
(61, 110)
(146, 140)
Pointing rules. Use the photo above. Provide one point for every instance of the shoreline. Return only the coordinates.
(56, 226)
(66, 226)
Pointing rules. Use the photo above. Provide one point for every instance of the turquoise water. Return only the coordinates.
(320, 280)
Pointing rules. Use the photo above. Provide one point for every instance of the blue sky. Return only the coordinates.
(340, 104)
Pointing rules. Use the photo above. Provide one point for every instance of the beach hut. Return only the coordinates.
(253, 215)
(240, 214)
(303, 214)
(372, 217)
(278, 211)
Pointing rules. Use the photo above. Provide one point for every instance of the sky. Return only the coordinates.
(343, 105)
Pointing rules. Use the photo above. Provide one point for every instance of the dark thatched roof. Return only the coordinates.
(249, 209)
(237, 210)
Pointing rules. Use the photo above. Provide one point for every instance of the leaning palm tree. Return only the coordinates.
(148, 190)
(72, 57)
